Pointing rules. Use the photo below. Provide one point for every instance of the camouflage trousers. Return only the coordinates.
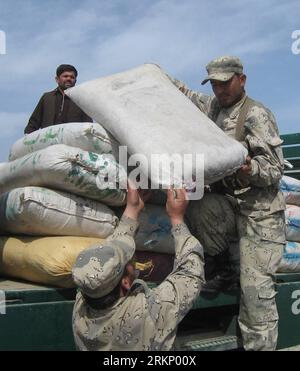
(217, 223)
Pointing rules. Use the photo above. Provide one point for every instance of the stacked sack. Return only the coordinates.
(291, 257)
(143, 110)
(52, 186)
(42, 189)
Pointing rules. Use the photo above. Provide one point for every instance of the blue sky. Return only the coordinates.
(102, 37)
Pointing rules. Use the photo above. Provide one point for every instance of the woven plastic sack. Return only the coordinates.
(154, 234)
(143, 110)
(290, 262)
(89, 137)
(292, 217)
(68, 169)
(47, 260)
(291, 190)
(43, 212)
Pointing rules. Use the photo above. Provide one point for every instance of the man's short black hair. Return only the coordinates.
(66, 68)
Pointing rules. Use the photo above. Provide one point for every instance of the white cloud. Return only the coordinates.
(177, 34)
(189, 33)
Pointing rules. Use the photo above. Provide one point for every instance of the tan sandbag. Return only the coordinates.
(46, 260)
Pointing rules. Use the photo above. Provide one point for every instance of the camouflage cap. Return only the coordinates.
(223, 68)
(99, 269)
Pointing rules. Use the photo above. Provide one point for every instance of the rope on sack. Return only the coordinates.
(91, 131)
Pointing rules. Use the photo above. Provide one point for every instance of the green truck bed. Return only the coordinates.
(39, 318)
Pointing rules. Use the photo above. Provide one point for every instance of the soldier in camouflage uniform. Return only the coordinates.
(250, 206)
(113, 310)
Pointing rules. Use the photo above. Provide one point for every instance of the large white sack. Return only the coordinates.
(291, 190)
(154, 232)
(145, 111)
(290, 262)
(68, 169)
(39, 211)
(90, 137)
(292, 219)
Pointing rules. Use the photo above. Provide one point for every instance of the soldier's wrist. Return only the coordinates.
(180, 229)
(176, 221)
(132, 213)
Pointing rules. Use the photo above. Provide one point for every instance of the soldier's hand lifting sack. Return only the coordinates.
(114, 310)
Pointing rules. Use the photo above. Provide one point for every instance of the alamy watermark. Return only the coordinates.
(2, 42)
(296, 43)
(158, 171)
(2, 302)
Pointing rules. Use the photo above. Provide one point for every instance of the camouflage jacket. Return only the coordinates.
(258, 194)
(146, 319)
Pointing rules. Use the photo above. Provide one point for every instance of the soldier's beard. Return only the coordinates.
(228, 101)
